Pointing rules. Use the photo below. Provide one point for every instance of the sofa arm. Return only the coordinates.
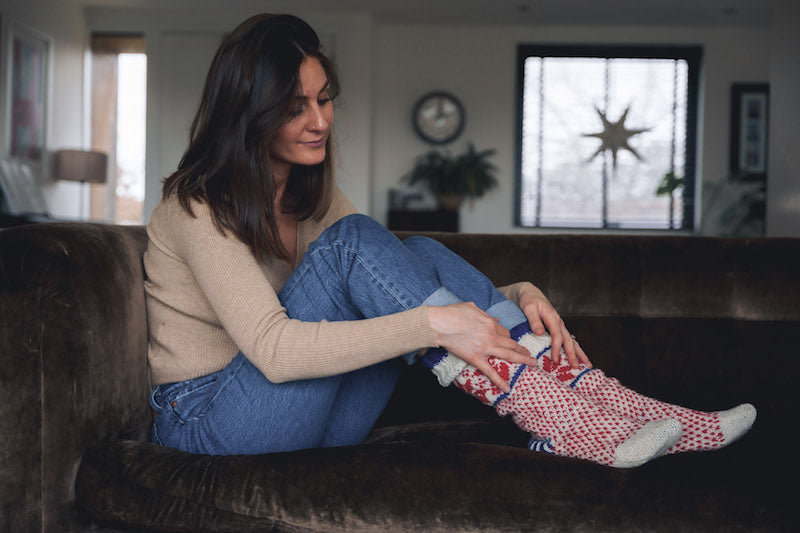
(73, 360)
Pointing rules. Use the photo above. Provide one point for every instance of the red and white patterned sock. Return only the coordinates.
(566, 423)
(701, 430)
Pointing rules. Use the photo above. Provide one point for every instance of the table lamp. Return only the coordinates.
(83, 166)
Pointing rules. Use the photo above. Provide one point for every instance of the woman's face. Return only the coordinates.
(302, 140)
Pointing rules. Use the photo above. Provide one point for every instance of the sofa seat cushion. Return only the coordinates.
(423, 478)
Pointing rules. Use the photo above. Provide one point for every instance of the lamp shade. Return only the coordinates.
(81, 165)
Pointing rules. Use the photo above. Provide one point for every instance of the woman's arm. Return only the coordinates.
(235, 299)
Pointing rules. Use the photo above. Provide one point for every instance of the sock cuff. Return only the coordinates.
(538, 345)
(447, 370)
(443, 365)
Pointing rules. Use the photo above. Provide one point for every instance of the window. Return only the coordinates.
(119, 97)
(600, 129)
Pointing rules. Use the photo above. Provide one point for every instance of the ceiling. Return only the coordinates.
(540, 12)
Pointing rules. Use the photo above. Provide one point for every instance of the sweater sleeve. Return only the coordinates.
(239, 294)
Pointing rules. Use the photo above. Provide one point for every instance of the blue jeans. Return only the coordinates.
(356, 269)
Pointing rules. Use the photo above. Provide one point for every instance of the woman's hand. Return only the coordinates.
(543, 317)
(470, 334)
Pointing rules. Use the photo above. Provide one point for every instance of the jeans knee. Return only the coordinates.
(355, 228)
(358, 222)
(424, 246)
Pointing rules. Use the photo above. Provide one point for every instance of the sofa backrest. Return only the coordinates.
(73, 365)
(645, 276)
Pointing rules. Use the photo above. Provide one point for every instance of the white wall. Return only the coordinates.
(478, 64)
(385, 67)
(783, 203)
(65, 25)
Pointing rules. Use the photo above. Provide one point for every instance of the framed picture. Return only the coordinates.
(19, 192)
(749, 130)
(27, 96)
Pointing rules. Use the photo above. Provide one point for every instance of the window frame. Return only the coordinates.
(692, 54)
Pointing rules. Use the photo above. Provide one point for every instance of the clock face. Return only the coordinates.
(438, 117)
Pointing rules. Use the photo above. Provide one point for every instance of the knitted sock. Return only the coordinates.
(565, 423)
(561, 421)
(701, 430)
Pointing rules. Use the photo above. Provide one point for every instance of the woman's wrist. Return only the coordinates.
(529, 290)
(434, 319)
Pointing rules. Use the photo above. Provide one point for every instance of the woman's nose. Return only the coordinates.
(318, 121)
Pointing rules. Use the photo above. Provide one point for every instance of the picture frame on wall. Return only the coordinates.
(749, 131)
(27, 95)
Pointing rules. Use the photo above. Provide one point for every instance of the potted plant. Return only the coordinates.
(451, 179)
(669, 184)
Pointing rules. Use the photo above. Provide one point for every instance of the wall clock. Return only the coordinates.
(438, 117)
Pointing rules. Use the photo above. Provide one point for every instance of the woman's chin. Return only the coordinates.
(313, 160)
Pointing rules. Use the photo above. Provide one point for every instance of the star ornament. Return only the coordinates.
(615, 137)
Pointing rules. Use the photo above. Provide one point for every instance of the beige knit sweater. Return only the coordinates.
(208, 298)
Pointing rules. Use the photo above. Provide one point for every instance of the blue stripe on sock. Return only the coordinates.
(544, 351)
(540, 445)
(574, 382)
(433, 357)
(513, 382)
(519, 330)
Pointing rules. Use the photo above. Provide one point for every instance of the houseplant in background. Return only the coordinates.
(451, 179)
(669, 184)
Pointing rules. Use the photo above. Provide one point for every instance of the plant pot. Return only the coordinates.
(449, 202)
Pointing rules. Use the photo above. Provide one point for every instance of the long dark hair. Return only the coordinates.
(247, 98)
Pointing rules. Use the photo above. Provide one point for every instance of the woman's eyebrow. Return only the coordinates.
(325, 87)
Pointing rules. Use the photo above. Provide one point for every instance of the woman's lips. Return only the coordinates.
(319, 143)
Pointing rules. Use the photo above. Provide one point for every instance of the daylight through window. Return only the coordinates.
(600, 132)
(119, 101)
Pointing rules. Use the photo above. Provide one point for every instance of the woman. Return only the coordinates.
(278, 317)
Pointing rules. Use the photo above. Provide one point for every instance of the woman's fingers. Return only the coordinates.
(508, 350)
(558, 332)
(582, 357)
(574, 352)
(489, 371)
(543, 317)
(513, 353)
(569, 347)
(556, 343)
(537, 326)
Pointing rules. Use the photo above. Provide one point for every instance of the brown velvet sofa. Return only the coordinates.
(705, 322)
